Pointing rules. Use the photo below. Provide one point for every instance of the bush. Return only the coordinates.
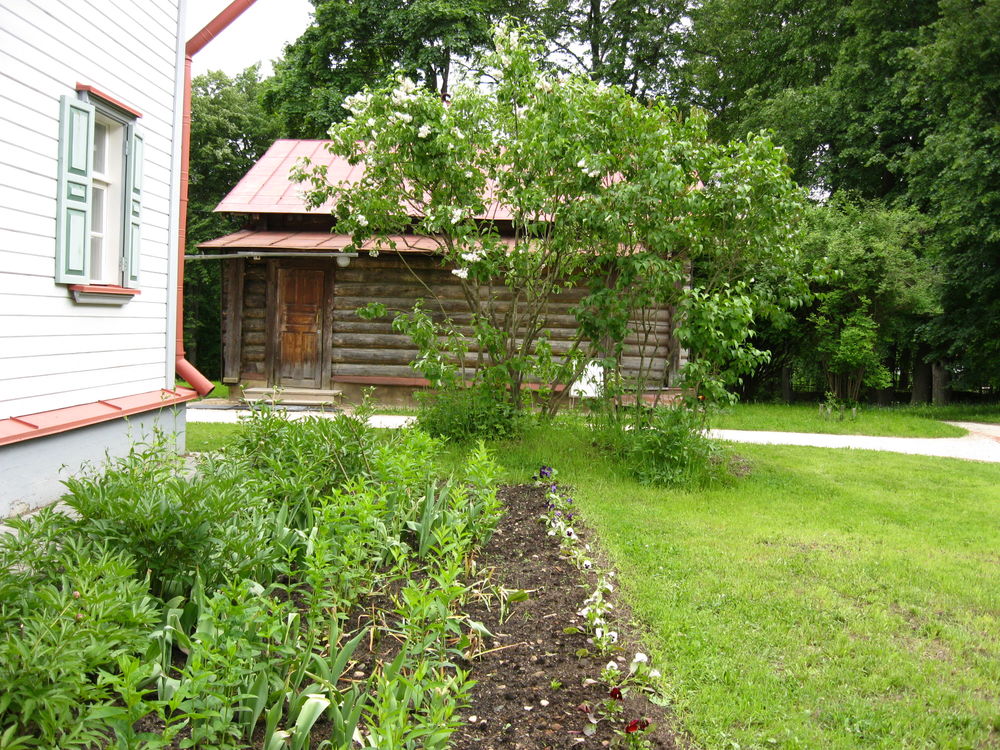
(464, 415)
(665, 446)
(174, 526)
(69, 607)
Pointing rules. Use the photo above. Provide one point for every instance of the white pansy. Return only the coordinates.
(612, 667)
(462, 273)
(640, 658)
(654, 673)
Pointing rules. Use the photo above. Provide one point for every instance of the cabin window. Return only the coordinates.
(98, 227)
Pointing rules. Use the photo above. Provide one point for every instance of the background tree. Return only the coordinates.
(230, 131)
(354, 43)
(953, 174)
(628, 43)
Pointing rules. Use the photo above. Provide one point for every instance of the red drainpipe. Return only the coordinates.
(185, 369)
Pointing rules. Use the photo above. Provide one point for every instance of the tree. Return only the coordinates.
(601, 189)
(953, 175)
(629, 43)
(230, 131)
(354, 43)
(825, 76)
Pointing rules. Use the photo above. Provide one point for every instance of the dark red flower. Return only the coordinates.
(616, 693)
(637, 725)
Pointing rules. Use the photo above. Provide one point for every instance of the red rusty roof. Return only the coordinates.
(277, 240)
(268, 189)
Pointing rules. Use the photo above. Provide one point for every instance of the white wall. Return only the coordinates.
(54, 352)
(33, 470)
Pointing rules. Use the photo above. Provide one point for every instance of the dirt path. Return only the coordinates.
(981, 444)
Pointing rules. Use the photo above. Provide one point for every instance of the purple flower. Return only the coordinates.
(545, 472)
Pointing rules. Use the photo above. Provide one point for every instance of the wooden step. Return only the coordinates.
(293, 396)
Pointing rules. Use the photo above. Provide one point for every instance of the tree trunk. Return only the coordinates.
(786, 385)
(921, 382)
(939, 389)
(884, 396)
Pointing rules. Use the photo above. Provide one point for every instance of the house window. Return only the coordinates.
(99, 227)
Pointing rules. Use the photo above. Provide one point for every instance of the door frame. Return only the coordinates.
(272, 346)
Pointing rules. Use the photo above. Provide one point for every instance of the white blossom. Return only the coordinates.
(462, 273)
(457, 133)
(425, 130)
(404, 116)
(471, 256)
(362, 220)
(544, 84)
(456, 215)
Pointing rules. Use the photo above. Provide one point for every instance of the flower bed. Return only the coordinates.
(317, 585)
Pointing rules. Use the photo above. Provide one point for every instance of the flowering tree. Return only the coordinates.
(602, 192)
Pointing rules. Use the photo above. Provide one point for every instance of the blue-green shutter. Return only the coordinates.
(133, 208)
(76, 144)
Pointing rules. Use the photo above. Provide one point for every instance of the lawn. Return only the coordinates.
(899, 421)
(831, 599)
(209, 436)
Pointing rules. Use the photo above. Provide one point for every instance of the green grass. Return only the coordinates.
(221, 389)
(209, 436)
(961, 412)
(870, 420)
(831, 599)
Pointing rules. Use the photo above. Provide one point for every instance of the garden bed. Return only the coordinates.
(532, 688)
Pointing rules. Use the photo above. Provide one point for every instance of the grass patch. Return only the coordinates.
(210, 436)
(893, 421)
(835, 599)
(221, 389)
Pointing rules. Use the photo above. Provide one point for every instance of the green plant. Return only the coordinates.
(69, 607)
(465, 414)
(664, 446)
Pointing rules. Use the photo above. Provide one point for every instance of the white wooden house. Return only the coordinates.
(91, 99)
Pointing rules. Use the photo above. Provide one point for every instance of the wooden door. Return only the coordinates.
(300, 327)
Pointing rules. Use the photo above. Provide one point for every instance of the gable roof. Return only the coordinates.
(268, 188)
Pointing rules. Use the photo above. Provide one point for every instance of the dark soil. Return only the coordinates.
(532, 689)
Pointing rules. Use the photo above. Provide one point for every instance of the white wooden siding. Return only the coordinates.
(53, 352)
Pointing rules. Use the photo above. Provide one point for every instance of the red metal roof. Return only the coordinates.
(16, 429)
(276, 240)
(268, 189)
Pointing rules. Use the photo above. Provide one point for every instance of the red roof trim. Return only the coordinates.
(108, 99)
(17, 429)
(103, 289)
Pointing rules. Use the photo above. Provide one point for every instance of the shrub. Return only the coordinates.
(68, 607)
(174, 526)
(464, 415)
(665, 446)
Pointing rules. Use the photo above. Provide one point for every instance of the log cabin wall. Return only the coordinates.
(370, 350)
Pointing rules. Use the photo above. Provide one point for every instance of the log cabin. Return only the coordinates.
(290, 296)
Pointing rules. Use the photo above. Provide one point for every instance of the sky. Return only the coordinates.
(259, 35)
